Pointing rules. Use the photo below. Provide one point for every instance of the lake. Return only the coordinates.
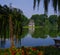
(31, 37)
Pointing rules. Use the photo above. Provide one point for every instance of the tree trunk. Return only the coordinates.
(10, 26)
(11, 30)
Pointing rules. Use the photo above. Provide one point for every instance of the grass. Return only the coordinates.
(31, 27)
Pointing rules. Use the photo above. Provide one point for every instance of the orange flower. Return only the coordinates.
(11, 50)
(27, 48)
(34, 49)
(40, 53)
(23, 52)
(27, 53)
(5, 54)
(18, 50)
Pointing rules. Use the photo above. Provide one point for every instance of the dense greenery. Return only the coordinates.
(12, 21)
(48, 25)
(39, 19)
(43, 33)
(39, 33)
(43, 20)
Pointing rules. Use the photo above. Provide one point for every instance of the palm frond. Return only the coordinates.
(34, 2)
(38, 1)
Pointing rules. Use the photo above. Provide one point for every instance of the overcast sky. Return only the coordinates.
(27, 6)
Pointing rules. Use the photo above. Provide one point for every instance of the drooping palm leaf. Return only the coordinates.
(58, 6)
(38, 1)
(46, 2)
(55, 5)
(34, 4)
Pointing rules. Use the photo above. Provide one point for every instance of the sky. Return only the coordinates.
(27, 7)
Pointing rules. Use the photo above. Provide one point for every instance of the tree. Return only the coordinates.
(53, 22)
(58, 23)
(53, 19)
(39, 19)
(36, 19)
(24, 20)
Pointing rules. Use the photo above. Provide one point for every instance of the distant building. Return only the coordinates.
(31, 26)
(31, 23)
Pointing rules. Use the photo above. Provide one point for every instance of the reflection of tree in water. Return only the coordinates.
(24, 32)
(2, 42)
(39, 33)
(12, 41)
(53, 33)
(22, 35)
(31, 30)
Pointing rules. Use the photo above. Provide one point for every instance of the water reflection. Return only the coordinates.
(39, 33)
(53, 33)
(6, 42)
(31, 37)
(31, 30)
(2, 42)
(29, 41)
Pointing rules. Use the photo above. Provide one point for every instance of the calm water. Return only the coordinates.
(30, 37)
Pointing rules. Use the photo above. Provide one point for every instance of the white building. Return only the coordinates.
(31, 23)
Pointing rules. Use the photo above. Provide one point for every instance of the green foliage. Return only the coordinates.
(36, 19)
(39, 33)
(24, 20)
(53, 19)
(18, 20)
(39, 19)
(58, 23)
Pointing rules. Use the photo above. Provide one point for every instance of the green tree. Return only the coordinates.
(24, 20)
(58, 23)
(53, 19)
(12, 20)
(39, 19)
(36, 19)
